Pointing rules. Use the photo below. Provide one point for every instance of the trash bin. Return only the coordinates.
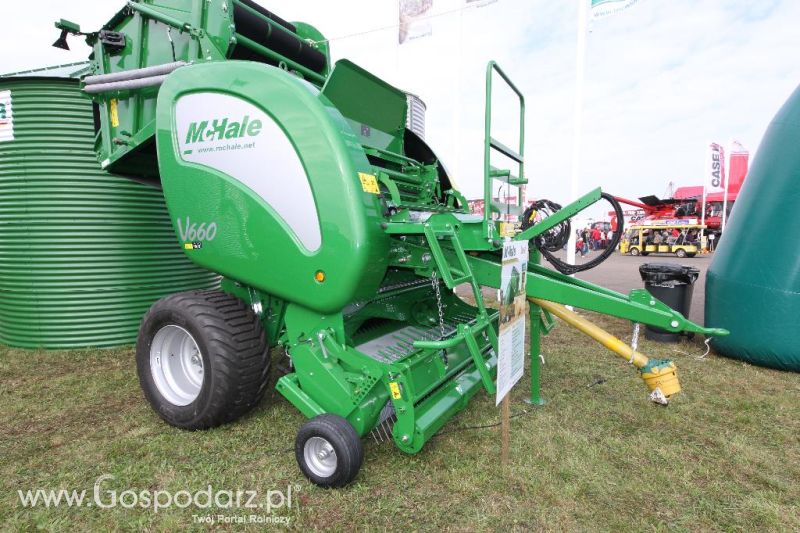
(672, 284)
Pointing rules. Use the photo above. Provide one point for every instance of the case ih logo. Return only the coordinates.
(717, 168)
(222, 129)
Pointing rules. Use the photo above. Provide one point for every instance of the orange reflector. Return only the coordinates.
(319, 276)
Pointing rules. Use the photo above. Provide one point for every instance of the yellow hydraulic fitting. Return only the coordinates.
(659, 374)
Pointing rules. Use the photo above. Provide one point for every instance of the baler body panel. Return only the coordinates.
(162, 32)
(375, 109)
(276, 174)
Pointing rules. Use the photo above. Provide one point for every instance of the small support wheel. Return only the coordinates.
(329, 451)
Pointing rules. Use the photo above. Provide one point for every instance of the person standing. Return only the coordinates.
(586, 236)
(596, 238)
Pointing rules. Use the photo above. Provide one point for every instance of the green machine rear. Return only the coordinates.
(338, 232)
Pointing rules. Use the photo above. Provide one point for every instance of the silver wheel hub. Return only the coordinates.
(176, 365)
(320, 457)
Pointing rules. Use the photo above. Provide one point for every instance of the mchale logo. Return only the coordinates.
(222, 129)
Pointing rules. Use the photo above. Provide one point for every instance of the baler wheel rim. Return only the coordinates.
(320, 456)
(176, 364)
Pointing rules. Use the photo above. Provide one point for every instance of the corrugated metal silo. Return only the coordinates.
(83, 253)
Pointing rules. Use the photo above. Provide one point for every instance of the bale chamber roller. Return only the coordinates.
(338, 232)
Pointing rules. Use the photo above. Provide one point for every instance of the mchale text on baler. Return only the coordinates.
(337, 230)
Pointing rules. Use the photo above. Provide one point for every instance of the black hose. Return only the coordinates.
(554, 239)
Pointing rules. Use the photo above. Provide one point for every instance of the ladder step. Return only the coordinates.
(505, 150)
(503, 208)
(506, 176)
(499, 172)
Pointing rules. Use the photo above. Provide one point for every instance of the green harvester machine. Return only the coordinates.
(337, 231)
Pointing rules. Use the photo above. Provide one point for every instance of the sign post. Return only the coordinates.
(505, 422)
(511, 340)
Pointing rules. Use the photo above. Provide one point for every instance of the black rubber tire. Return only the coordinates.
(680, 252)
(634, 251)
(235, 354)
(345, 441)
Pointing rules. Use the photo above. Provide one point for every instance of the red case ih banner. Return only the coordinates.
(738, 162)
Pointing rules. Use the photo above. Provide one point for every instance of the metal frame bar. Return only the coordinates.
(275, 56)
(560, 216)
(491, 143)
(161, 17)
(638, 306)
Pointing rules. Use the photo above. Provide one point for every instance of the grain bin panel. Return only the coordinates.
(83, 253)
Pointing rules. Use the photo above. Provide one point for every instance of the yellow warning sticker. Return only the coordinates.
(395, 389)
(188, 246)
(507, 229)
(369, 183)
(114, 113)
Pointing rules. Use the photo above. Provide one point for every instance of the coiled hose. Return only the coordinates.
(556, 238)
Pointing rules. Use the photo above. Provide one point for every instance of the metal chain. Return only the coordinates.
(435, 283)
(634, 341)
(440, 308)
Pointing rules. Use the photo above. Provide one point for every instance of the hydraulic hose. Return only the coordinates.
(555, 239)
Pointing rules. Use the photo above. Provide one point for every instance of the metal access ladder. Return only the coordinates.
(490, 172)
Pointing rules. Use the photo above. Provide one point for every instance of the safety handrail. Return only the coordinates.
(491, 143)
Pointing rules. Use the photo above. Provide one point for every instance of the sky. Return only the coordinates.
(663, 79)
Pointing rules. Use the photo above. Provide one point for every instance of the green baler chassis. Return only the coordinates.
(436, 365)
(411, 356)
(391, 350)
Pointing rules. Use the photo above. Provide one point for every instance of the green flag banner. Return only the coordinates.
(604, 8)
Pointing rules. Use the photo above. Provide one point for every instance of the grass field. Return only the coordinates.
(725, 454)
